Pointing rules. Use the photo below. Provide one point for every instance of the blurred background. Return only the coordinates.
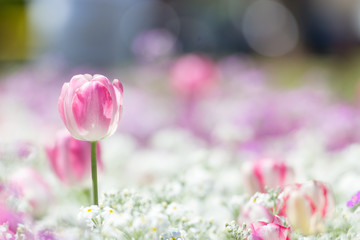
(116, 33)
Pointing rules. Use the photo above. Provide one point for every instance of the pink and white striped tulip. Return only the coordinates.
(273, 229)
(193, 74)
(266, 173)
(91, 106)
(28, 184)
(70, 158)
(254, 211)
(307, 205)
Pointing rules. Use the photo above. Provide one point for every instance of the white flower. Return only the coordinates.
(89, 216)
(107, 212)
(158, 222)
(175, 210)
(4, 232)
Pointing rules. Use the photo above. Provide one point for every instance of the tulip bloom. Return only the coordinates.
(270, 230)
(254, 211)
(266, 173)
(29, 184)
(90, 106)
(307, 205)
(193, 74)
(70, 158)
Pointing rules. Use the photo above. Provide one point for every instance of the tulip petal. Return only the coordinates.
(92, 108)
(79, 159)
(115, 112)
(64, 90)
(119, 100)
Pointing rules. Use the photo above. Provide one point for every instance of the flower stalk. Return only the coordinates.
(94, 173)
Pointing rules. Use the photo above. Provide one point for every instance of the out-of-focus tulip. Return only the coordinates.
(266, 173)
(9, 217)
(307, 205)
(193, 74)
(270, 230)
(254, 211)
(91, 106)
(70, 158)
(29, 184)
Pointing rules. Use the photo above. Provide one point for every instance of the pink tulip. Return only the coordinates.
(254, 211)
(270, 230)
(9, 217)
(70, 158)
(193, 74)
(90, 106)
(307, 205)
(27, 183)
(266, 173)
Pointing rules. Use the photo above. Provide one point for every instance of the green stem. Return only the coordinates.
(94, 173)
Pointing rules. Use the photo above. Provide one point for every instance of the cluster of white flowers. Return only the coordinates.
(236, 232)
(4, 232)
(137, 216)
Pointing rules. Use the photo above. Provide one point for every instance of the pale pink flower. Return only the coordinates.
(307, 205)
(193, 74)
(9, 217)
(28, 184)
(266, 173)
(254, 211)
(70, 158)
(271, 230)
(91, 106)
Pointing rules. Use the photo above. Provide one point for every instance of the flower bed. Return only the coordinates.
(225, 156)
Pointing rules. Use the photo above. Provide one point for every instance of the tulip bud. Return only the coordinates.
(70, 158)
(29, 184)
(307, 205)
(193, 74)
(90, 106)
(273, 229)
(266, 173)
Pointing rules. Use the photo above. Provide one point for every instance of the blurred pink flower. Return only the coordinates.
(307, 205)
(266, 173)
(91, 107)
(273, 229)
(154, 44)
(11, 218)
(193, 74)
(70, 158)
(274, 117)
(134, 115)
(46, 234)
(354, 200)
(254, 211)
(339, 125)
(27, 183)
